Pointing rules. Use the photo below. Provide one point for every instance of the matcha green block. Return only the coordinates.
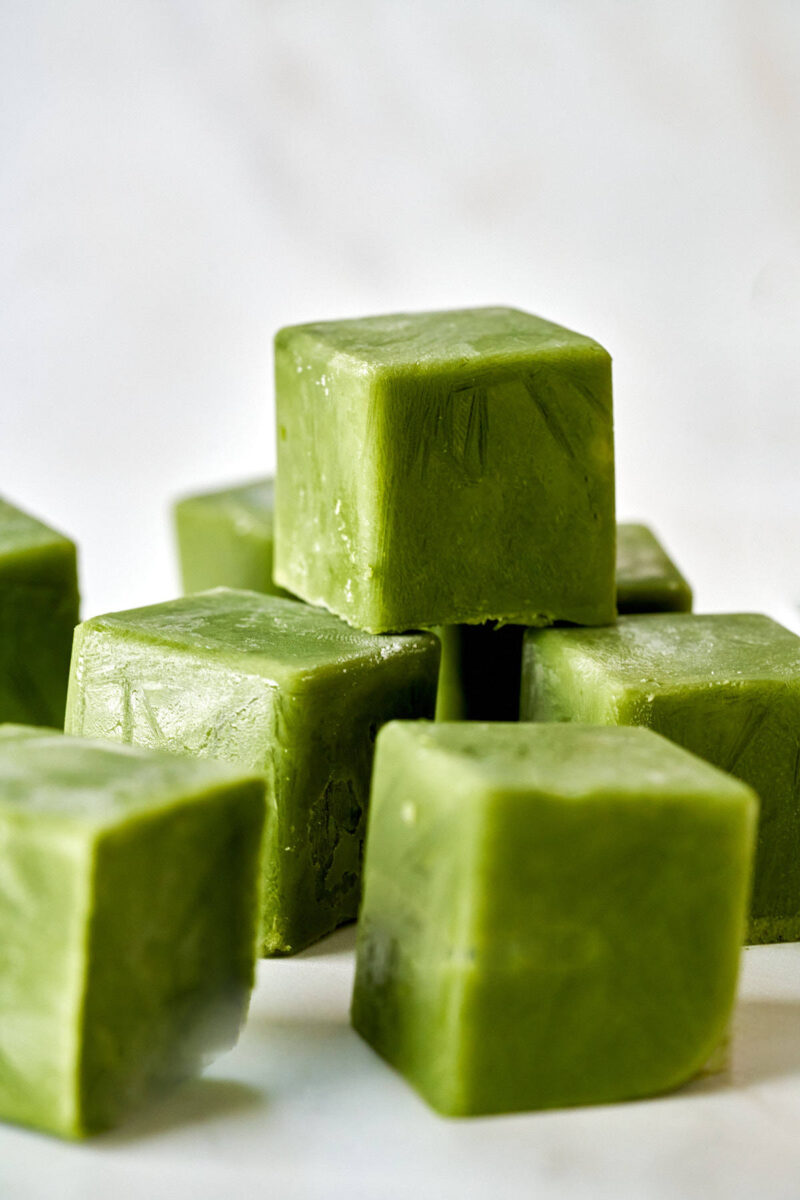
(225, 538)
(444, 468)
(552, 914)
(724, 686)
(647, 578)
(272, 685)
(481, 664)
(38, 612)
(128, 904)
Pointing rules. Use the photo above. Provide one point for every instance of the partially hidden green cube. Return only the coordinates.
(647, 578)
(128, 901)
(552, 914)
(225, 538)
(447, 467)
(726, 686)
(272, 685)
(38, 613)
(481, 664)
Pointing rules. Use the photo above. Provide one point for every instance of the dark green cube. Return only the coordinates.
(38, 613)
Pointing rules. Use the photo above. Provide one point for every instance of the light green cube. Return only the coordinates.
(225, 538)
(443, 468)
(271, 685)
(128, 903)
(552, 914)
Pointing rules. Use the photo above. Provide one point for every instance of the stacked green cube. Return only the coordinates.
(444, 468)
(552, 911)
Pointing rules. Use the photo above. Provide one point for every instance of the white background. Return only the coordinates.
(178, 179)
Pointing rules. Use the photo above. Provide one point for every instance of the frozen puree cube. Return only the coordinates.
(268, 684)
(128, 907)
(38, 612)
(436, 468)
(225, 538)
(480, 673)
(647, 578)
(724, 686)
(552, 914)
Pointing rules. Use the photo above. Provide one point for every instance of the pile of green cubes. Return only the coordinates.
(553, 877)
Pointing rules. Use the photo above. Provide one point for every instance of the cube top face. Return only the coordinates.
(447, 339)
(571, 761)
(248, 632)
(97, 784)
(655, 653)
(550, 917)
(647, 578)
(462, 470)
(247, 506)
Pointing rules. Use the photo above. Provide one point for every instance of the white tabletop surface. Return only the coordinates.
(301, 1108)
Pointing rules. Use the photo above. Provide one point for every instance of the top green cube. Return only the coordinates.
(443, 468)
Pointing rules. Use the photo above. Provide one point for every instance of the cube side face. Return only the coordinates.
(497, 492)
(38, 613)
(753, 732)
(221, 545)
(608, 972)
(172, 944)
(411, 957)
(44, 902)
(562, 683)
(127, 690)
(325, 520)
(322, 788)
